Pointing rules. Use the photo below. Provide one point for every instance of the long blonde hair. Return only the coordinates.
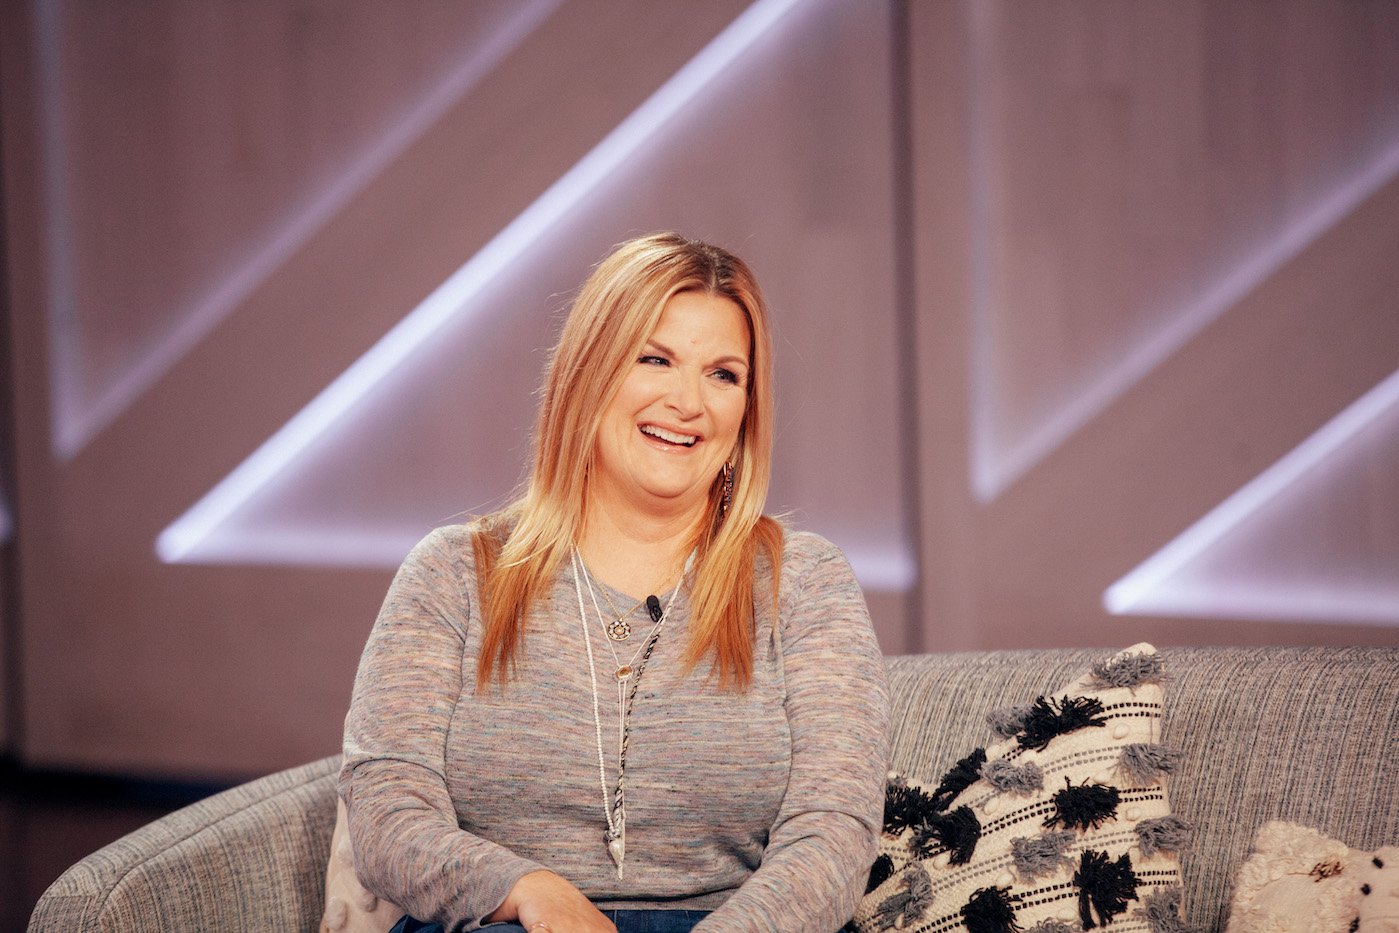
(520, 548)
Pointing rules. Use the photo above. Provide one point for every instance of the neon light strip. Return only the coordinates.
(1318, 604)
(73, 426)
(58, 215)
(179, 541)
(1146, 586)
(879, 566)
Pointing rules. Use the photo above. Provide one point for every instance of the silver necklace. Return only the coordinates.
(623, 671)
(619, 629)
(615, 811)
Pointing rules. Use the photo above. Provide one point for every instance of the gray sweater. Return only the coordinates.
(763, 806)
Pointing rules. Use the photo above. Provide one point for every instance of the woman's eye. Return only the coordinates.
(653, 360)
(726, 375)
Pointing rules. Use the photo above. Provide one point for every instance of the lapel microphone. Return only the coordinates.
(653, 606)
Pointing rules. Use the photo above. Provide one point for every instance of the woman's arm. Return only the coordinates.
(820, 848)
(402, 822)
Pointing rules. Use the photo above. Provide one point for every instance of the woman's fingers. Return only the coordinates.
(543, 902)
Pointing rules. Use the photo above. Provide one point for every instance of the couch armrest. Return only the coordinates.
(250, 858)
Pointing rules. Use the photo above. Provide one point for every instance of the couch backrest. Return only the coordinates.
(1303, 734)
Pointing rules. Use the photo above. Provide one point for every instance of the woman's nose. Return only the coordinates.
(685, 397)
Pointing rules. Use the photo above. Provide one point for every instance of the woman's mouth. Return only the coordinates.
(670, 437)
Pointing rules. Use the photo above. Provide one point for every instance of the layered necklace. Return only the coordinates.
(628, 677)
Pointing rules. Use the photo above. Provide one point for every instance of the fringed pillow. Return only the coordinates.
(1061, 826)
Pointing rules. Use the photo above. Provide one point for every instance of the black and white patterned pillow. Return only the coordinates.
(1061, 826)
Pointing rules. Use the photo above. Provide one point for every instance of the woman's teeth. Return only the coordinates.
(670, 437)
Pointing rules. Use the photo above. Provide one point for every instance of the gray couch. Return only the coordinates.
(1306, 734)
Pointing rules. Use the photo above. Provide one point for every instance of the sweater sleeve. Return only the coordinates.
(819, 850)
(403, 827)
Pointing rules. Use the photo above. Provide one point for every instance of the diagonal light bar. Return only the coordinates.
(178, 541)
(73, 427)
(1135, 591)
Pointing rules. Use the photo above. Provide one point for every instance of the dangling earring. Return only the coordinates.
(728, 489)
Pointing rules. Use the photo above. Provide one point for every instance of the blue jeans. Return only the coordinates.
(627, 921)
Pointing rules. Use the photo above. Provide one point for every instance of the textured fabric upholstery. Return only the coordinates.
(1303, 734)
(250, 858)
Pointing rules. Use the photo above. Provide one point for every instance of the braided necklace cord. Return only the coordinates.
(630, 668)
(619, 805)
(616, 813)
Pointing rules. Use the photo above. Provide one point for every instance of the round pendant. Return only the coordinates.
(623, 673)
(619, 630)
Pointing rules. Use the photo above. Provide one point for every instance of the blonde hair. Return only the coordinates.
(520, 548)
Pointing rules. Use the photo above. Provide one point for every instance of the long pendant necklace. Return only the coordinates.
(615, 811)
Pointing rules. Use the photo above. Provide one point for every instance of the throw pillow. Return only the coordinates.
(1300, 881)
(349, 908)
(1061, 826)
(1378, 882)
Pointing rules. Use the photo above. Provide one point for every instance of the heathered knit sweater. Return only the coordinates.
(763, 806)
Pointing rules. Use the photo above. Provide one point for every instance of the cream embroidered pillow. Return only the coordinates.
(1061, 826)
(349, 908)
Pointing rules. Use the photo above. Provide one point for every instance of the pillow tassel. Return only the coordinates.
(1145, 763)
(958, 778)
(906, 806)
(1104, 887)
(990, 911)
(1083, 807)
(880, 872)
(1012, 778)
(1127, 671)
(1051, 718)
(1166, 833)
(957, 833)
(1161, 910)
(1008, 722)
(1038, 856)
(908, 904)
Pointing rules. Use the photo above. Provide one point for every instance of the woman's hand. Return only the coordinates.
(545, 900)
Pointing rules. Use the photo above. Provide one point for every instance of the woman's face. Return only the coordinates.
(676, 418)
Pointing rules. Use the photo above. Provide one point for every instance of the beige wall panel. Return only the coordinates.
(163, 116)
(1049, 189)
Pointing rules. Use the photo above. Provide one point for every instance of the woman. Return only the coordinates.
(589, 708)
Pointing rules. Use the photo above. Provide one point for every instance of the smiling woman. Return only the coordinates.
(503, 765)
(675, 419)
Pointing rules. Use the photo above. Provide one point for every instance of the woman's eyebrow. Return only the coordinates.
(664, 350)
